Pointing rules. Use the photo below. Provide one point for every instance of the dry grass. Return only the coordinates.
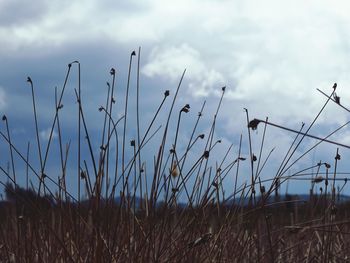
(45, 223)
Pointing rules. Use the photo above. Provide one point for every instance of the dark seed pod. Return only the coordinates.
(254, 158)
(337, 157)
(185, 109)
(317, 179)
(253, 124)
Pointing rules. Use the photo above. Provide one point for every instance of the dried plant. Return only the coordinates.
(155, 200)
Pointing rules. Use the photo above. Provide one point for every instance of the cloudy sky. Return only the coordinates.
(271, 56)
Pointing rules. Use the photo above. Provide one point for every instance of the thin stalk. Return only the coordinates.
(173, 150)
(60, 145)
(252, 197)
(55, 118)
(237, 168)
(32, 168)
(318, 143)
(27, 169)
(158, 165)
(261, 149)
(4, 118)
(125, 118)
(138, 121)
(112, 101)
(36, 131)
(305, 134)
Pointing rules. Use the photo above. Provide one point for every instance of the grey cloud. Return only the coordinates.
(18, 12)
(269, 70)
(123, 6)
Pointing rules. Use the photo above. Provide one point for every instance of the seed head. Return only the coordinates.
(317, 179)
(174, 172)
(253, 124)
(185, 110)
(336, 98)
(254, 158)
(337, 157)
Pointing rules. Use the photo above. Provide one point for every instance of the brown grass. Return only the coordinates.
(46, 223)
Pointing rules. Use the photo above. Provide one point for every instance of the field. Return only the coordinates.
(127, 209)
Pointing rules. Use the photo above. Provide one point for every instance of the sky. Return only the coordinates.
(271, 56)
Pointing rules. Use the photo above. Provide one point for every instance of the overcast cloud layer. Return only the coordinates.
(271, 56)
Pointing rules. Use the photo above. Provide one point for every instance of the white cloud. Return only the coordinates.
(45, 134)
(271, 55)
(3, 99)
(170, 62)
